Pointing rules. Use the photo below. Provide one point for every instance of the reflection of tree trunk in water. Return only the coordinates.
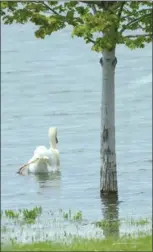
(110, 214)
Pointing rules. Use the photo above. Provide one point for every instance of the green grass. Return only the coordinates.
(11, 214)
(30, 216)
(140, 243)
(26, 215)
(117, 223)
(72, 217)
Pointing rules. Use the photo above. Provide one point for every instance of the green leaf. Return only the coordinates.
(101, 23)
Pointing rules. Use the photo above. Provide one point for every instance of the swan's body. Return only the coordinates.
(44, 160)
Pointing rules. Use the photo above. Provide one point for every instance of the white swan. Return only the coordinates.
(44, 160)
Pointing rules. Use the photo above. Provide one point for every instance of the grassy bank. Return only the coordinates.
(140, 243)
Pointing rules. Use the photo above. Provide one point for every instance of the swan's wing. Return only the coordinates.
(31, 161)
(50, 155)
(40, 151)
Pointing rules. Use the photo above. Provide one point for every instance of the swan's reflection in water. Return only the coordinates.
(48, 180)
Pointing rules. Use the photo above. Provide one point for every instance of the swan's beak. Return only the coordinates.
(56, 140)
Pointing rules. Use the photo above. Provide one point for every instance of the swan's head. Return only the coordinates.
(52, 133)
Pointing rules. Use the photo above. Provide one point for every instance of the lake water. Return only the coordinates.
(57, 82)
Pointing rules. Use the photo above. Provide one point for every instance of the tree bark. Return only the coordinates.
(108, 172)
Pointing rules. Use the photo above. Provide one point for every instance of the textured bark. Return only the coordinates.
(108, 173)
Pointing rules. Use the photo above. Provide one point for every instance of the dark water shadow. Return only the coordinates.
(110, 211)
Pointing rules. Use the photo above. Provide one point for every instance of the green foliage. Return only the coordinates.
(72, 217)
(28, 216)
(104, 23)
(11, 214)
(31, 215)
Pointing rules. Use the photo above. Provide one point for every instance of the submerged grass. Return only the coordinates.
(140, 243)
(117, 223)
(139, 222)
(105, 223)
(72, 217)
(29, 216)
(11, 214)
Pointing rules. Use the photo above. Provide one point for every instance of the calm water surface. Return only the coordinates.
(57, 82)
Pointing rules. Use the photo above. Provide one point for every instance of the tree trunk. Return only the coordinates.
(108, 173)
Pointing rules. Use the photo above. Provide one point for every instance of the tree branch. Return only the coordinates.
(120, 12)
(139, 12)
(91, 40)
(51, 9)
(134, 21)
(138, 35)
(94, 9)
(121, 8)
(92, 2)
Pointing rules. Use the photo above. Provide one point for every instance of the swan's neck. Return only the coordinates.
(52, 144)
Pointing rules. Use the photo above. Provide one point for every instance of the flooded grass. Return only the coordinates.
(107, 234)
(26, 215)
(72, 217)
(140, 222)
(105, 223)
(31, 215)
(11, 214)
(116, 223)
